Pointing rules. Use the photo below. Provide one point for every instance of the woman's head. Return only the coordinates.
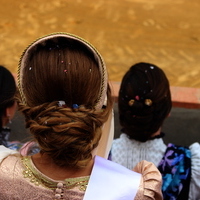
(7, 93)
(63, 85)
(144, 101)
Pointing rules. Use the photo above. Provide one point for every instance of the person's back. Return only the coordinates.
(144, 102)
(66, 100)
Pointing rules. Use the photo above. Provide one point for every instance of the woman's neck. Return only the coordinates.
(46, 165)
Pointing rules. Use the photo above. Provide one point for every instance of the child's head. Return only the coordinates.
(144, 101)
(7, 91)
(63, 86)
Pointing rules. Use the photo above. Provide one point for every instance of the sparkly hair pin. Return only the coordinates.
(147, 102)
(75, 106)
(61, 103)
(131, 102)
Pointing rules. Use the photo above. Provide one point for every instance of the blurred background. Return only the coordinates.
(166, 33)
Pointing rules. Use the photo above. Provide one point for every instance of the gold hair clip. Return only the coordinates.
(148, 102)
(131, 102)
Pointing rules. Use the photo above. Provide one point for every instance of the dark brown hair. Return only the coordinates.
(143, 82)
(7, 91)
(64, 69)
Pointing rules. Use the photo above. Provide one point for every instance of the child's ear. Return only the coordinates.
(169, 115)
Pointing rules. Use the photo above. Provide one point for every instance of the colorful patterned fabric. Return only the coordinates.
(4, 135)
(29, 148)
(175, 168)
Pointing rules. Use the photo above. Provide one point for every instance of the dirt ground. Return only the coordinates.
(163, 32)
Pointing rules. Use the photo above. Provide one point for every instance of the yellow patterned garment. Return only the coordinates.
(21, 180)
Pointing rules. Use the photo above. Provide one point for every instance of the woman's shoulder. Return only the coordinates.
(10, 162)
(19, 172)
(195, 156)
(151, 181)
(6, 152)
(195, 147)
(195, 173)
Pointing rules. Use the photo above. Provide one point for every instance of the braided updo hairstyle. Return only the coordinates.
(144, 101)
(61, 84)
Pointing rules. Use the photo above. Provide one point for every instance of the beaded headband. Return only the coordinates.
(97, 56)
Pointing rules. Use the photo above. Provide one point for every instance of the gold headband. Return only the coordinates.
(98, 57)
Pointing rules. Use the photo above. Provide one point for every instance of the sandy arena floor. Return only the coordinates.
(166, 33)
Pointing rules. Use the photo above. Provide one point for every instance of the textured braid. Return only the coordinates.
(68, 135)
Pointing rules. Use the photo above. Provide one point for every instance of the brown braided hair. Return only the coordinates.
(63, 69)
